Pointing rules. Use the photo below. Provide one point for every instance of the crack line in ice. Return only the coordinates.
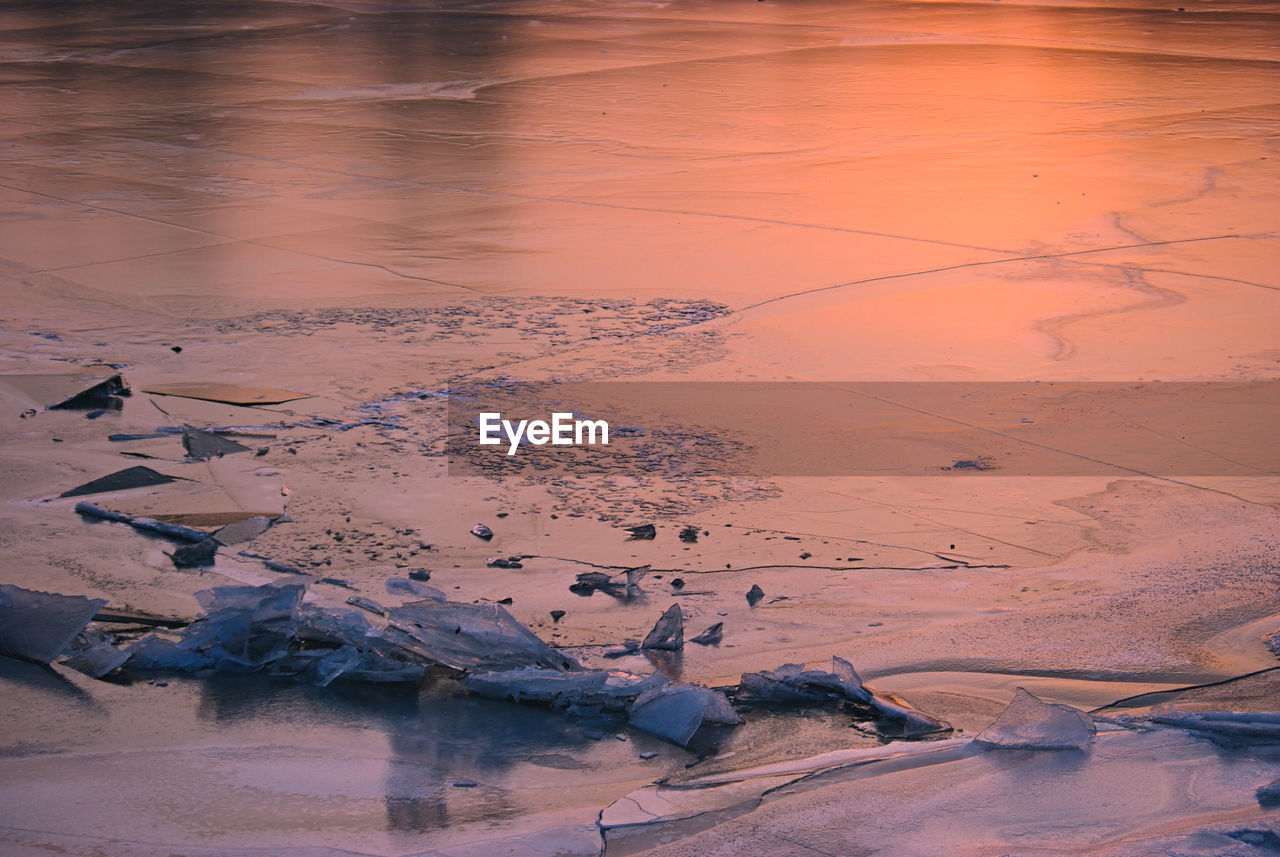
(1129, 701)
(904, 511)
(1158, 298)
(953, 564)
(1038, 257)
(1128, 267)
(211, 234)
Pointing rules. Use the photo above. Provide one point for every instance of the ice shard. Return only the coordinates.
(710, 637)
(668, 632)
(1032, 724)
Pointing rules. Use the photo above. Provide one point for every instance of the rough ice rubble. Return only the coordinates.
(1028, 723)
(675, 711)
(653, 703)
(269, 626)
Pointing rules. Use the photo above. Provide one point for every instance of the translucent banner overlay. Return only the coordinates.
(882, 428)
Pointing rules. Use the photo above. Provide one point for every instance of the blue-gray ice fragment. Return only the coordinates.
(470, 637)
(37, 626)
(677, 711)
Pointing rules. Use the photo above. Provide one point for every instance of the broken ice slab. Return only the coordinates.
(1029, 723)
(121, 480)
(37, 626)
(414, 589)
(203, 445)
(560, 689)
(1230, 728)
(93, 387)
(470, 636)
(243, 531)
(677, 711)
(641, 532)
(668, 632)
(245, 626)
(792, 683)
(226, 394)
(337, 626)
(93, 653)
(150, 525)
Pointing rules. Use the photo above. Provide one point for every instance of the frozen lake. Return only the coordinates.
(350, 207)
